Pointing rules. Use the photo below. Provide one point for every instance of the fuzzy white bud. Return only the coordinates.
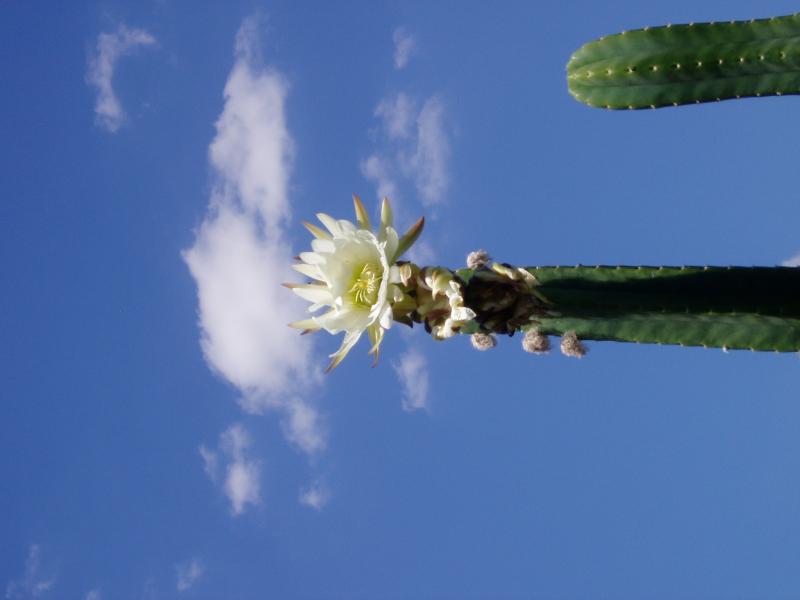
(572, 346)
(535, 342)
(478, 259)
(483, 341)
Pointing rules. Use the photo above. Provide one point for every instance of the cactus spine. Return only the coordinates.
(688, 64)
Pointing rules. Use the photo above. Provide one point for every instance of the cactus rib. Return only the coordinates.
(688, 64)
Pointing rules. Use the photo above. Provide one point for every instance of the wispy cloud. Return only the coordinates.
(232, 467)
(415, 148)
(315, 496)
(109, 113)
(398, 114)
(428, 163)
(34, 582)
(241, 254)
(187, 573)
(794, 261)
(93, 595)
(404, 47)
(412, 372)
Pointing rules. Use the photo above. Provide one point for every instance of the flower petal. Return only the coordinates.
(314, 293)
(311, 271)
(330, 223)
(312, 258)
(350, 339)
(323, 246)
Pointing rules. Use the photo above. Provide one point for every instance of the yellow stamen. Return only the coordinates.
(365, 285)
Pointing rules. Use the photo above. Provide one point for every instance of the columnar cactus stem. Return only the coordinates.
(688, 64)
(754, 308)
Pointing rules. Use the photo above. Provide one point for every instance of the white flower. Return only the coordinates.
(355, 277)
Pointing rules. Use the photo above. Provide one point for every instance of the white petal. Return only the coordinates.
(349, 341)
(347, 227)
(330, 224)
(308, 270)
(314, 294)
(312, 258)
(323, 246)
(386, 317)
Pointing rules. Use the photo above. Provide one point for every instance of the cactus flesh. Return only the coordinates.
(688, 64)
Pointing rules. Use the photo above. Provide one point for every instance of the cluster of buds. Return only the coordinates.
(438, 301)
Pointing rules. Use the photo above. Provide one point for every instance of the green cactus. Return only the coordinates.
(688, 64)
(754, 308)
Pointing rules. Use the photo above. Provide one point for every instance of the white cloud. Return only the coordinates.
(187, 573)
(241, 255)
(415, 148)
(379, 170)
(428, 164)
(93, 595)
(412, 372)
(404, 47)
(109, 113)
(792, 262)
(398, 115)
(315, 496)
(240, 478)
(33, 583)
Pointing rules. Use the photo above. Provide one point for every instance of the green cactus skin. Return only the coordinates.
(753, 308)
(688, 64)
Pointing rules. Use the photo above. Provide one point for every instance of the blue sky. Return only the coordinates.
(165, 435)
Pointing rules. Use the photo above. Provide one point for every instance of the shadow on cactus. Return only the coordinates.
(358, 283)
(688, 64)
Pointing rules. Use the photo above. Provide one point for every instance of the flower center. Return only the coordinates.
(365, 285)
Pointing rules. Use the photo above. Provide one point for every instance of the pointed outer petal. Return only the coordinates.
(316, 231)
(390, 243)
(462, 314)
(316, 294)
(308, 270)
(387, 217)
(312, 258)
(376, 337)
(305, 324)
(350, 339)
(323, 246)
(330, 224)
(361, 214)
(409, 237)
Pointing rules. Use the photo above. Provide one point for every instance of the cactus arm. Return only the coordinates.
(688, 64)
(755, 308)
